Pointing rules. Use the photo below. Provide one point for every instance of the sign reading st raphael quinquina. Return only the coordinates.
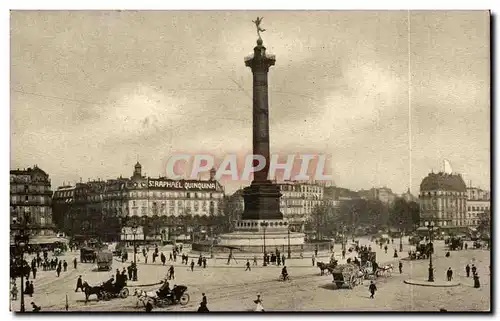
(192, 185)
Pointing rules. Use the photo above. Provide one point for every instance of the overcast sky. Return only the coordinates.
(90, 91)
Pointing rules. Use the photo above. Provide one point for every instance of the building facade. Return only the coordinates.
(298, 199)
(103, 207)
(383, 194)
(31, 194)
(443, 200)
(478, 202)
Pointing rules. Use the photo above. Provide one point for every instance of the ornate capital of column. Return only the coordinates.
(260, 60)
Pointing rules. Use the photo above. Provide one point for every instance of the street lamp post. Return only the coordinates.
(21, 240)
(430, 226)
(289, 251)
(400, 236)
(134, 232)
(264, 225)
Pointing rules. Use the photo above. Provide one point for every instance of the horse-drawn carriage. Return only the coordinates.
(455, 243)
(422, 251)
(106, 292)
(347, 275)
(177, 295)
(87, 255)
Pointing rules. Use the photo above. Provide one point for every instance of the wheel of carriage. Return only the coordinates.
(106, 296)
(184, 299)
(124, 293)
(338, 284)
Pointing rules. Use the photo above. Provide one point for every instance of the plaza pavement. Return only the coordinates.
(230, 288)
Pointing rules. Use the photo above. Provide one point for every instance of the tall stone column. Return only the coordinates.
(262, 196)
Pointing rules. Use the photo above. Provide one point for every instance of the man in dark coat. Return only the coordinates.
(65, 265)
(74, 263)
(400, 267)
(467, 270)
(473, 269)
(33, 270)
(248, 266)
(449, 274)
(204, 262)
(79, 284)
(477, 285)
(171, 275)
(372, 289)
(163, 258)
(192, 265)
(58, 271)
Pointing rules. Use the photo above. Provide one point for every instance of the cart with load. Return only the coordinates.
(347, 275)
(104, 260)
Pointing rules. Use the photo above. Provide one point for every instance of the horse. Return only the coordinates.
(89, 290)
(322, 267)
(385, 270)
(144, 296)
(326, 266)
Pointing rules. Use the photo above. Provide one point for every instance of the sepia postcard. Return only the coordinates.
(250, 161)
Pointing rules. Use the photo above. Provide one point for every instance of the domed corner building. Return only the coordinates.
(443, 200)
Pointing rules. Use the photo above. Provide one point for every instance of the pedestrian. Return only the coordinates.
(477, 285)
(313, 260)
(203, 307)
(204, 299)
(145, 259)
(149, 306)
(192, 265)
(170, 257)
(316, 252)
(163, 258)
(449, 274)
(171, 275)
(79, 284)
(278, 260)
(473, 269)
(372, 289)
(400, 267)
(259, 307)
(467, 270)
(204, 262)
(255, 260)
(35, 307)
(466, 246)
(58, 271)
(343, 254)
(283, 259)
(32, 288)
(385, 249)
(175, 256)
(395, 253)
(27, 287)
(248, 266)
(392, 240)
(65, 265)
(34, 269)
(14, 292)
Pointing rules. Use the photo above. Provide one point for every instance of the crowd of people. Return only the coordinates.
(121, 277)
